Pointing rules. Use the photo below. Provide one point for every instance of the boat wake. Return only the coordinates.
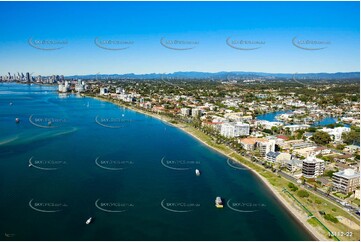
(29, 137)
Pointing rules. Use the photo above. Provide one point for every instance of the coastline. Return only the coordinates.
(299, 217)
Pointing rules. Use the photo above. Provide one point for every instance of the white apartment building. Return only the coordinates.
(231, 130)
(80, 86)
(312, 167)
(196, 112)
(267, 124)
(64, 87)
(295, 127)
(279, 157)
(293, 165)
(266, 146)
(272, 156)
(104, 91)
(336, 133)
(119, 90)
(185, 111)
(346, 181)
(126, 97)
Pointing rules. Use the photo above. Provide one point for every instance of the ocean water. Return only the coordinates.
(132, 173)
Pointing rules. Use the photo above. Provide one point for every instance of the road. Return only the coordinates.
(353, 210)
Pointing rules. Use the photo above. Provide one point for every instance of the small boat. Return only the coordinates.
(198, 173)
(89, 220)
(10, 104)
(17, 120)
(49, 123)
(219, 203)
(30, 165)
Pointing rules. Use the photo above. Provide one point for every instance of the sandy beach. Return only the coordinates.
(300, 217)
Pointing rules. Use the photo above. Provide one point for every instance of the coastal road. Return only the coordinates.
(352, 210)
(349, 208)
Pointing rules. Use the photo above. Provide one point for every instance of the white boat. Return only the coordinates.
(17, 120)
(219, 203)
(198, 173)
(89, 220)
(30, 165)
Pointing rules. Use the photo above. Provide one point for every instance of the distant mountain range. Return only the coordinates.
(234, 75)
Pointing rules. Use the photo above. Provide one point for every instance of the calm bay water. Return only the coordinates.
(272, 118)
(132, 173)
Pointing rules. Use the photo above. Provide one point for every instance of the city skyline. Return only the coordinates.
(122, 37)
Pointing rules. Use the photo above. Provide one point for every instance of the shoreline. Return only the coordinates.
(296, 215)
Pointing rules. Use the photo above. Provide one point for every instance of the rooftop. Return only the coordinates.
(252, 141)
(347, 173)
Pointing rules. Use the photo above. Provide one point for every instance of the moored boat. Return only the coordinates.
(89, 220)
(198, 173)
(219, 203)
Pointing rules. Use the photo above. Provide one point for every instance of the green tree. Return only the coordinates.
(353, 136)
(275, 130)
(321, 138)
(292, 187)
(303, 193)
(329, 173)
(268, 131)
(331, 218)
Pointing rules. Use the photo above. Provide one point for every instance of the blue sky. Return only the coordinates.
(209, 24)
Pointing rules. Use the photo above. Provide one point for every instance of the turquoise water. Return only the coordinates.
(272, 118)
(133, 174)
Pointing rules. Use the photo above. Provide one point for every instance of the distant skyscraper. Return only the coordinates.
(27, 77)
